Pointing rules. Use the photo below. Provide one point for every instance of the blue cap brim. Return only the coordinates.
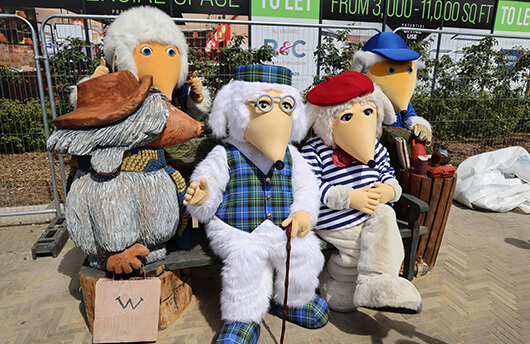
(398, 54)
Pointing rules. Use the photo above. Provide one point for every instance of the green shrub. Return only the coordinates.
(333, 56)
(478, 96)
(68, 66)
(21, 125)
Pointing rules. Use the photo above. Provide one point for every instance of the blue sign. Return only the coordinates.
(511, 57)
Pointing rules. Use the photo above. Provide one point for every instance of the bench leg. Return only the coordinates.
(411, 249)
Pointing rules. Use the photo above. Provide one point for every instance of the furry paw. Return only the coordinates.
(339, 295)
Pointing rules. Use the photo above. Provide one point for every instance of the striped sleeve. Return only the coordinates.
(310, 154)
(382, 159)
(305, 187)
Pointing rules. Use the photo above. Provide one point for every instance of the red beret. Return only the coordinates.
(341, 88)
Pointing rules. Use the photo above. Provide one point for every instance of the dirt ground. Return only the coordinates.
(460, 150)
(26, 179)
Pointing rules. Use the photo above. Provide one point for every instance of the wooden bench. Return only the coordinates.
(174, 271)
(409, 210)
(200, 254)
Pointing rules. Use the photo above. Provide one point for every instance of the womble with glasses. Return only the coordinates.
(265, 103)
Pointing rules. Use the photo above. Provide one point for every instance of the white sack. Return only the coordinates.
(498, 181)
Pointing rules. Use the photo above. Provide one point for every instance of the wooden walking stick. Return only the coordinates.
(287, 262)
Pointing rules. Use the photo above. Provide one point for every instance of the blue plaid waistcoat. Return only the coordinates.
(251, 196)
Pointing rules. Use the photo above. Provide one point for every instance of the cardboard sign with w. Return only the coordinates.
(126, 310)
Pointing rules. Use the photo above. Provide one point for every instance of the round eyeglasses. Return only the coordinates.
(265, 103)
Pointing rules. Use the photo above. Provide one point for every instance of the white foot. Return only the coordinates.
(393, 294)
(338, 295)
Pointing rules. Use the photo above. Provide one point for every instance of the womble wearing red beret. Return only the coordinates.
(335, 95)
(343, 87)
(356, 183)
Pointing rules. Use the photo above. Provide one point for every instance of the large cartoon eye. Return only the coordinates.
(288, 104)
(264, 103)
(346, 117)
(146, 51)
(171, 52)
(390, 70)
(368, 111)
(409, 69)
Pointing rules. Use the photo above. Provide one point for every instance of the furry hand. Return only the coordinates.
(423, 133)
(101, 69)
(364, 199)
(386, 192)
(301, 223)
(196, 88)
(197, 194)
(127, 261)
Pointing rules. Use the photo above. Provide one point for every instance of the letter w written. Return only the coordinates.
(128, 302)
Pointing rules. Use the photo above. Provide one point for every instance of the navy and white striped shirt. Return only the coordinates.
(355, 175)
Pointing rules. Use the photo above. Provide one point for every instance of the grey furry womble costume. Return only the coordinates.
(106, 208)
(124, 199)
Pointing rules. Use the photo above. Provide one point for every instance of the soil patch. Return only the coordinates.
(26, 179)
(461, 150)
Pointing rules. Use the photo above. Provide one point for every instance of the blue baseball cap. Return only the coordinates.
(391, 46)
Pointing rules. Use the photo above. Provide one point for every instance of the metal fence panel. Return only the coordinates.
(26, 183)
(204, 56)
(487, 124)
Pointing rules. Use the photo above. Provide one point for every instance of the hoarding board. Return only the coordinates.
(477, 14)
(513, 16)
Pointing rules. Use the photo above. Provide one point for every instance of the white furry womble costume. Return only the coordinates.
(356, 181)
(151, 25)
(254, 257)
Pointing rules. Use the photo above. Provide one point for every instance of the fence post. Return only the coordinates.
(37, 58)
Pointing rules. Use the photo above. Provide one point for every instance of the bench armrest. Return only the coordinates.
(415, 206)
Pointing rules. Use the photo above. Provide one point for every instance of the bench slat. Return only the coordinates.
(201, 255)
(194, 258)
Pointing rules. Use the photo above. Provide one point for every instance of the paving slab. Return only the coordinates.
(477, 292)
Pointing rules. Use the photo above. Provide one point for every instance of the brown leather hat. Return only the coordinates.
(105, 100)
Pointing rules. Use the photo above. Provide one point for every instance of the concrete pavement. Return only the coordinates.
(478, 292)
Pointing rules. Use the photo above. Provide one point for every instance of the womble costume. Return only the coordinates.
(256, 181)
(356, 181)
(124, 199)
(389, 63)
(135, 30)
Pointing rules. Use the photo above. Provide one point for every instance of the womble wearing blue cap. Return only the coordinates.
(389, 63)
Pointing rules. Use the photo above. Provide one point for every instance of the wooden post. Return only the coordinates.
(444, 206)
(175, 295)
(175, 292)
